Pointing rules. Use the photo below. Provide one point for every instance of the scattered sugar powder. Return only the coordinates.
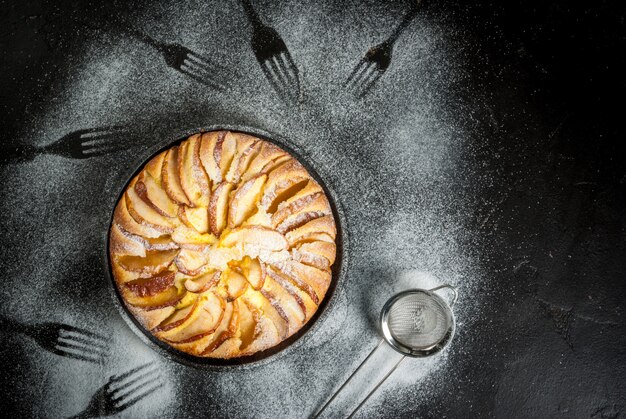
(396, 160)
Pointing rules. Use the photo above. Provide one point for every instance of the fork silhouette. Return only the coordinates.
(185, 61)
(122, 391)
(81, 144)
(273, 57)
(377, 59)
(62, 339)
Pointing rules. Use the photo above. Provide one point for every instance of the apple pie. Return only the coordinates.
(222, 246)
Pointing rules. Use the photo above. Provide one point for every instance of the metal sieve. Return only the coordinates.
(416, 323)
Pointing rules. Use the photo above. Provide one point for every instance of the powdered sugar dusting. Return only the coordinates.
(396, 160)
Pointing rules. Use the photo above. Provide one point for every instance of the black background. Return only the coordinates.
(552, 339)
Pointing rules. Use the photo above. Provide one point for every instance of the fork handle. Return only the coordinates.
(405, 21)
(18, 153)
(252, 15)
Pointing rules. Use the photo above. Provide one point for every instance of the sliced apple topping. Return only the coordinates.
(236, 284)
(239, 166)
(288, 208)
(155, 166)
(249, 320)
(122, 218)
(254, 271)
(190, 262)
(146, 215)
(218, 207)
(244, 201)
(154, 262)
(193, 179)
(223, 245)
(324, 224)
(283, 183)
(196, 218)
(261, 237)
(147, 287)
(203, 282)
(148, 189)
(267, 153)
(170, 178)
(202, 321)
(291, 304)
(123, 243)
(210, 151)
(189, 238)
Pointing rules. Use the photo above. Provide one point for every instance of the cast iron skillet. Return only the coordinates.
(287, 346)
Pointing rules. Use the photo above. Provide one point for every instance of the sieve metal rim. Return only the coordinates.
(406, 350)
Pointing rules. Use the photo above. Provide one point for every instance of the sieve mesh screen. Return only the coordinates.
(419, 320)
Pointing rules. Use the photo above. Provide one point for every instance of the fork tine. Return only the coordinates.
(358, 73)
(119, 377)
(360, 64)
(69, 344)
(367, 85)
(101, 151)
(291, 77)
(363, 76)
(85, 340)
(69, 328)
(140, 396)
(202, 60)
(294, 69)
(135, 383)
(76, 353)
(203, 73)
(102, 139)
(201, 80)
(270, 78)
(281, 78)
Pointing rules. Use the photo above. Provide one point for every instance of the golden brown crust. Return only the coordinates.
(222, 246)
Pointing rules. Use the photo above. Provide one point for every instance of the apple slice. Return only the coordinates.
(243, 159)
(180, 316)
(193, 179)
(147, 287)
(291, 304)
(231, 325)
(262, 237)
(254, 271)
(203, 282)
(169, 297)
(189, 238)
(155, 166)
(267, 153)
(298, 220)
(321, 248)
(144, 214)
(196, 218)
(284, 271)
(236, 284)
(218, 207)
(245, 198)
(304, 300)
(283, 183)
(249, 320)
(311, 259)
(210, 151)
(288, 208)
(123, 243)
(203, 321)
(210, 314)
(170, 177)
(272, 309)
(242, 145)
(153, 263)
(324, 224)
(148, 189)
(226, 153)
(190, 262)
(122, 217)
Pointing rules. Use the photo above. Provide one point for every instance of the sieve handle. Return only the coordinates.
(319, 412)
(451, 288)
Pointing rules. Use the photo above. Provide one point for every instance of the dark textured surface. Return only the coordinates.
(489, 155)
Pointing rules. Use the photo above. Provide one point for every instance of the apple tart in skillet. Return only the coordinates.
(222, 246)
